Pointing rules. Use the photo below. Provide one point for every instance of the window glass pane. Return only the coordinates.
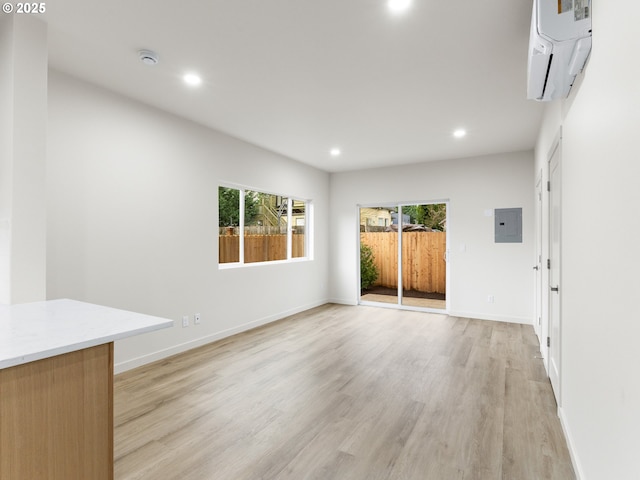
(378, 255)
(299, 220)
(228, 221)
(424, 243)
(265, 227)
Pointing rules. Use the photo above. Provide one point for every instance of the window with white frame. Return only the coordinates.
(259, 227)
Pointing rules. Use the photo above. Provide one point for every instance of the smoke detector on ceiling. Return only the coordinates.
(148, 57)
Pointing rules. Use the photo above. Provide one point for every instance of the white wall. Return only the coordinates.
(6, 153)
(479, 267)
(23, 105)
(600, 383)
(132, 220)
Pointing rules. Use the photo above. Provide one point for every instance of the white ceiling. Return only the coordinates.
(299, 77)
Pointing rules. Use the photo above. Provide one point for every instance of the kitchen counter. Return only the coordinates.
(56, 385)
(33, 331)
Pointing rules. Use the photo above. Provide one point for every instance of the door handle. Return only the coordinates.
(536, 267)
(554, 289)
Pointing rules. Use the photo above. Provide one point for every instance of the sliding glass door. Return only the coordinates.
(403, 255)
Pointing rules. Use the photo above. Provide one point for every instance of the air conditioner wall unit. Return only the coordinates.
(559, 46)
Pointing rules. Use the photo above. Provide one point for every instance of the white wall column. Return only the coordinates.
(23, 126)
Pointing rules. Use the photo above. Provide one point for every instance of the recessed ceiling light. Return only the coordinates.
(335, 152)
(459, 133)
(192, 79)
(398, 6)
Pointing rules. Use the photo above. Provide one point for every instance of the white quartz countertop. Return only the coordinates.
(33, 331)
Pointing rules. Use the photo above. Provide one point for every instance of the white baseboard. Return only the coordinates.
(198, 342)
(577, 468)
(479, 316)
(342, 301)
(495, 318)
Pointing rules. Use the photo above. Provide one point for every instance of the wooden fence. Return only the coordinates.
(423, 268)
(259, 248)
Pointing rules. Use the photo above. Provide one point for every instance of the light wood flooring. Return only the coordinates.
(345, 392)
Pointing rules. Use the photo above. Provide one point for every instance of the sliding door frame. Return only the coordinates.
(399, 305)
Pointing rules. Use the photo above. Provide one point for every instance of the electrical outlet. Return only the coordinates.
(490, 299)
(196, 319)
(185, 321)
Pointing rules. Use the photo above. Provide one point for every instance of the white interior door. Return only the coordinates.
(538, 264)
(555, 320)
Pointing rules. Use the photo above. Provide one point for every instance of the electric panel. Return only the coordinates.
(508, 225)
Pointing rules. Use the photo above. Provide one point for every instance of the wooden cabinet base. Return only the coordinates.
(56, 417)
